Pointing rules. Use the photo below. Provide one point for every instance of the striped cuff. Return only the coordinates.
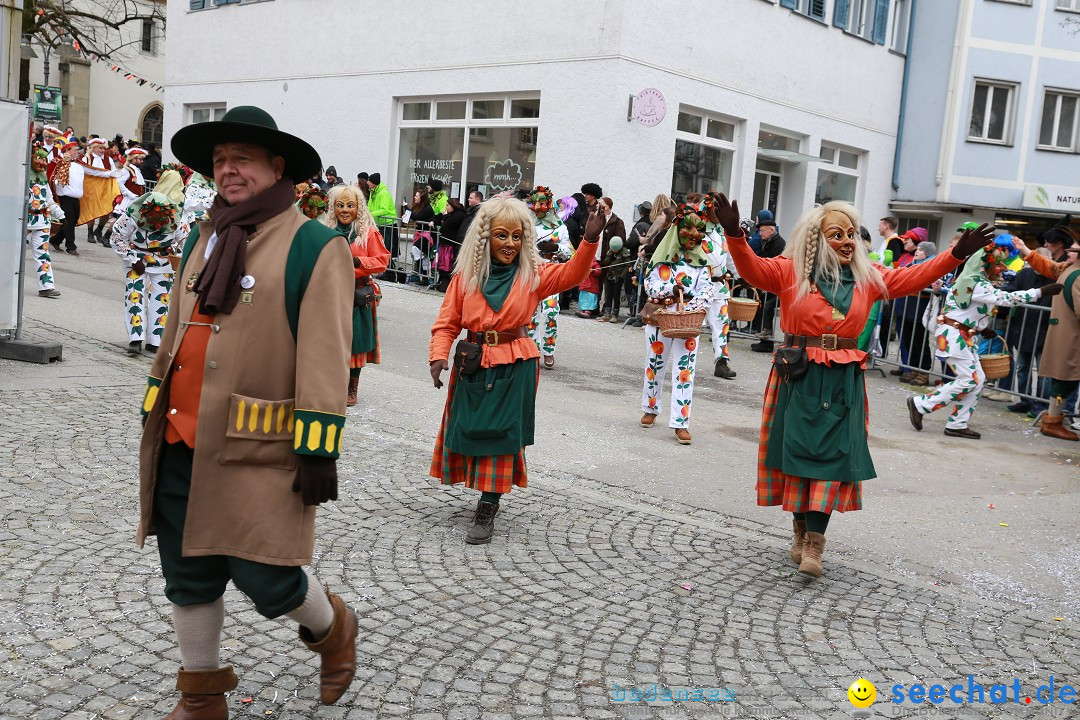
(317, 433)
(153, 384)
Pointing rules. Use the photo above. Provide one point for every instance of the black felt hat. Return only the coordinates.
(194, 145)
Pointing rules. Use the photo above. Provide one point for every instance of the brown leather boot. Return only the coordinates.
(202, 694)
(813, 546)
(338, 650)
(797, 541)
(1054, 426)
(354, 388)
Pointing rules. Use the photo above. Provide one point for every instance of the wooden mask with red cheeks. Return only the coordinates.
(691, 230)
(346, 207)
(506, 238)
(541, 201)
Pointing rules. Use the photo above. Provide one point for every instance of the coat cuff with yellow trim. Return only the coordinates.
(153, 384)
(317, 433)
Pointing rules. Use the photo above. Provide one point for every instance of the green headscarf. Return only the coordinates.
(499, 283)
(974, 271)
(171, 184)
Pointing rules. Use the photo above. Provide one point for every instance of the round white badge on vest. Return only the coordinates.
(247, 282)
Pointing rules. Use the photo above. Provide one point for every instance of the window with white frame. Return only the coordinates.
(477, 142)
(204, 112)
(838, 174)
(811, 8)
(1073, 5)
(901, 19)
(704, 152)
(148, 40)
(1058, 129)
(992, 109)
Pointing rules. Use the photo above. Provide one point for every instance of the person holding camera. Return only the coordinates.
(813, 455)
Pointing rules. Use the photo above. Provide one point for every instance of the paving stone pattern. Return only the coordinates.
(584, 586)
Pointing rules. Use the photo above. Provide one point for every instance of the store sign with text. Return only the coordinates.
(47, 103)
(504, 175)
(1052, 197)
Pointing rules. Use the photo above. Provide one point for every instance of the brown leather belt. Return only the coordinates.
(964, 329)
(492, 337)
(825, 342)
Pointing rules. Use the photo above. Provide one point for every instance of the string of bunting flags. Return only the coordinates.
(128, 75)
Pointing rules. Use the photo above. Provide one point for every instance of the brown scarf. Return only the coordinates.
(219, 285)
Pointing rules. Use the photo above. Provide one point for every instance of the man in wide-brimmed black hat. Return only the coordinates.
(254, 362)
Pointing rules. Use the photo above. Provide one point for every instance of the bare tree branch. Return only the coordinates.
(103, 27)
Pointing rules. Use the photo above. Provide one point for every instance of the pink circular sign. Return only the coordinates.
(649, 107)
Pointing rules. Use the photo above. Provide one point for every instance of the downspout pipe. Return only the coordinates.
(903, 98)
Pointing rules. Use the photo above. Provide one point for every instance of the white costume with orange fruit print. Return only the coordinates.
(660, 351)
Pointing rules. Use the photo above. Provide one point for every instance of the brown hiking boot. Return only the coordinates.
(338, 650)
(1054, 426)
(202, 694)
(797, 540)
(813, 546)
(354, 388)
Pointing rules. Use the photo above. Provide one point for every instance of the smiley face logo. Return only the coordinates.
(862, 693)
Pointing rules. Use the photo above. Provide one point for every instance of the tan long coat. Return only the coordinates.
(1061, 350)
(241, 502)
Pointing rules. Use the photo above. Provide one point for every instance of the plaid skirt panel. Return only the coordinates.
(487, 473)
(791, 492)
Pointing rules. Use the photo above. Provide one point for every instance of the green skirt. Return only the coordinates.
(493, 411)
(363, 330)
(819, 427)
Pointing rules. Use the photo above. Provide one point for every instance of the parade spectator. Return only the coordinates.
(772, 245)
(1025, 335)
(592, 192)
(382, 209)
(473, 201)
(362, 183)
(152, 164)
(764, 218)
(589, 292)
(889, 239)
(911, 333)
(332, 179)
(437, 197)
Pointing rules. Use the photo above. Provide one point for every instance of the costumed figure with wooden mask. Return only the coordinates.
(553, 245)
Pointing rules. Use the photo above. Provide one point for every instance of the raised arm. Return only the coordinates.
(768, 274)
(913, 278)
(557, 277)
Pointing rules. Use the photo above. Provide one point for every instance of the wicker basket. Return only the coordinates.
(680, 322)
(742, 309)
(996, 365)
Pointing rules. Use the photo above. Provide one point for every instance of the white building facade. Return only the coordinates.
(770, 101)
(991, 130)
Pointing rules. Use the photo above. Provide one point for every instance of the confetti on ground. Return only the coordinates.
(1004, 524)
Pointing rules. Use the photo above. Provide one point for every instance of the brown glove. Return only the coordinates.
(138, 267)
(355, 262)
(988, 333)
(727, 214)
(437, 368)
(1052, 289)
(316, 479)
(971, 240)
(595, 225)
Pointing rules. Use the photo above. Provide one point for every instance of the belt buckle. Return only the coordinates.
(828, 342)
(491, 338)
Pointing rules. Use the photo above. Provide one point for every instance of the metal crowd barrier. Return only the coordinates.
(414, 252)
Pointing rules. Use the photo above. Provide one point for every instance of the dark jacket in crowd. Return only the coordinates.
(773, 247)
(452, 223)
(470, 213)
(151, 165)
(1027, 327)
(614, 228)
(637, 234)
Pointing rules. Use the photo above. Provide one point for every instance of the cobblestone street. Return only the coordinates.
(588, 585)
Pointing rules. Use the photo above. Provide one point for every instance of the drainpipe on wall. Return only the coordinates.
(903, 98)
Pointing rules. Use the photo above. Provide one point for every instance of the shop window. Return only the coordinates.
(1058, 130)
(838, 174)
(700, 168)
(504, 160)
(425, 153)
(991, 112)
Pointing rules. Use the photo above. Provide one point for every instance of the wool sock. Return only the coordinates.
(198, 632)
(817, 521)
(315, 613)
(1056, 406)
(490, 497)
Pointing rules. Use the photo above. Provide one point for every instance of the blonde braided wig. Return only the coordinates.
(473, 265)
(810, 252)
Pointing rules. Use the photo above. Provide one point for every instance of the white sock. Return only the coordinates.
(198, 632)
(316, 613)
